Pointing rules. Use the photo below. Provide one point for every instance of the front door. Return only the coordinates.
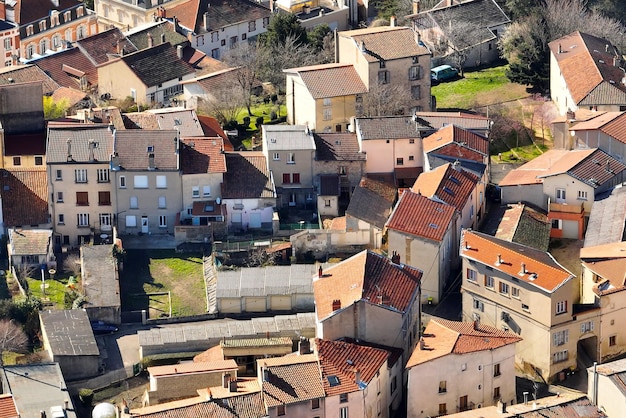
(560, 195)
(144, 224)
(463, 403)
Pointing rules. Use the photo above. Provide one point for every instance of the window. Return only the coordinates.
(280, 410)
(206, 191)
(161, 182)
(479, 305)
(296, 178)
(382, 64)
(489, 282)
(195, 191)
(291, 158)
(561, 307)
(415, 72)
(560, 195)
(122, 182)
(80, 32)
(525, 307)
(328, 114)
(223, 42)
(383, 77)
(561, 337)
(327, 101)
(43, 46)
(582, 195)
(276, 156)
(515, 292)
(400, 161)
(61, 219)
(103, 175)
(327, 203)
(496, 370)
(141, 182)
(504, 288)
(343, 398)
(29, 30)
(442, 386)
(162, 204)
(17, 160)
(557, 224)
(80, 176)
(38, 160)
(416, 92)
(162, 221)
(586, 327)
(411, 158)
(59, 175)
(612, 340)
(315, 403)
(232, 41)
(82, 199)
(79, 12)
(7, 43)
(105, 221)
(343, 412)
(104, 198)
(42, 25)
(442, 409)
(131, 221)
(200, 40)
(134, 202)
(496, 392)
(343, 170)
(472, 275)
(266, 21)
(59, 197)
(286, 178)
(251, 26)
(559, 356)
(83, 219)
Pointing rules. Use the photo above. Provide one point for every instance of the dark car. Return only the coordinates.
(101, 328)
(493, 193)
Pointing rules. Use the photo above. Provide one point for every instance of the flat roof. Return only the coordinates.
(69, 332)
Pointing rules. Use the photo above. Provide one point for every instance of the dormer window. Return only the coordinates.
(382, 64)
(42, 25)
(67, 16)
(80, 11)
(29, 30)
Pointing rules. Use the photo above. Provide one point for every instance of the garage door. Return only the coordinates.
(227, 305)
(280, 303)
(255, 305)
(570, 229)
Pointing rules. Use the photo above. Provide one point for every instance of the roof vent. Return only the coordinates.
(532, 277)
(499, 260)
(522, 270)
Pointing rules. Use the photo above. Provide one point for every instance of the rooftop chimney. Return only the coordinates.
(162, 38)
(499, 260)
(179, 51)
(336, 305)
(150, 40)
(416, 6)
(320, 272)
(362, 46)
(205, 18)
(151, 161)
(422, 344)
(304, 346)
(501, 406)
(560, 49)
(476, 323)
(226, 380)
(69, 150)
(232, 386)
(357, 376)
(392, 21)
(523, 270)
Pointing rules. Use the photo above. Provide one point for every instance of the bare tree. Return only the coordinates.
(71, 264)
(246, 58)
(289, 54)
(12, 337)
(384, 100)
(226, 102)
(25, 271)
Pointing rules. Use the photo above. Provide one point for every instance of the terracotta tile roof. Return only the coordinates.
(586, 64)
(195, 367)
(389, 127)
(102, 46)
(386, 42)
(447, 184)
(338, 224)
(157, 65)
(454, 134)
(256, 342)
(394, 353)
(460, 152)
(337, 147)
(595, 169)
(29, 241)
(366, 276)
(407, 173)
(372, 202)
(131, 145)
(615, 128)
(63, 66)
(542, 270)
(184, 121)
(246, 405)
(529, 172)
(594, 120)
(608, 261)
(164, 28)
(72, 96)
(330, 80)
(212, 354)
(329, 185)
(292, 383)
(607, 220)
(342, 360)
(612, 250)
(247, 176)
(26, 74)
(207, 208)
(7, 407)
(420, 216)
(293, 358)
(211, 128)
(202, 155)
(25, 144)
(140, 120)
(24, 197)
(223, 13)
(244, 386)
(525, 225)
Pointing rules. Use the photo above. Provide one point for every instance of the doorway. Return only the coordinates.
(144, 224)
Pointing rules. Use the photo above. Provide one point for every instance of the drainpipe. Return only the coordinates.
(595, 383)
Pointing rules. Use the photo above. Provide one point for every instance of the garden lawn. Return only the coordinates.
(149, 274)
(55, 291)
(477, 89)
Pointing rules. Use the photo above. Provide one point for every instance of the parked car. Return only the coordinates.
(493, 193)
(101, 328)
(443, 73)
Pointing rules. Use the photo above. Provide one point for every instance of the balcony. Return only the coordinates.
(566, 208)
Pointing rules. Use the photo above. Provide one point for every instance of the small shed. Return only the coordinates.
(30, 248)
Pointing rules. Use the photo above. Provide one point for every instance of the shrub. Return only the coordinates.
(231, 124)
(273, 115)
(274, 98)
(86, 396)
(246, 121)
(259, 122)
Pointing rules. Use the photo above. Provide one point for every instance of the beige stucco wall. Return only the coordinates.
(110, 11)
(117, 79)
(612, 307)
(610, 399)
(525, 193)
(558, 89)
(26, 162)
(300, 104)
(572, 187)
(213, 180)
(299, 409)
(341, 108)
(470, 375)
(303, 164)
(382, 155)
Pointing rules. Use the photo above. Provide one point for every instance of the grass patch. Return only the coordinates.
(478, 88)
(55, 290)
(162, 271)
(520, 154)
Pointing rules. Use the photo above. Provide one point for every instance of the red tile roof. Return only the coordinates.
(193, 367)
(247, 176)
(62, 65)
(616, 128)
(420, 216)
(541, 269)
(211, 128)
(387, 42)
(529, 172)
(344, 360)
(448, 184)
(292, 383)
(443, 337)
(72, 96)
(366, 276)
(330, 80)
(7, 407)
(593, 167)
(100, 47)
(455, 134)
(24, 197)
(202, 155)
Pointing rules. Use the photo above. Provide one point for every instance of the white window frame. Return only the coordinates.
(327, 101)
(503, 288)
(103, 175)
(206, 191)
(489, 282)
(59, 174)
(328, 114)
(582, 195)
(515, 292)
(80, 175)
(61, 219)
(472, 275)
(560, 337)
(162, 221)
(586, 327)
(276, 156)
(133, 202)
(59, 197)
(291, 158)
(122, 182)
(162, 202)
(560, 356)
(561, 307)
(82, 220)
(195, 192)
(140, 182)
(105, 219)
(161, 182)
(131, 221)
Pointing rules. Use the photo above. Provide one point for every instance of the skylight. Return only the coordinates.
(450, 192)
(454, 180)
(333, 381)
(433, 226)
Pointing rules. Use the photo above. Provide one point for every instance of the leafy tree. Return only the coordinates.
(316, 37)
(54, 110)
(281, 27)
